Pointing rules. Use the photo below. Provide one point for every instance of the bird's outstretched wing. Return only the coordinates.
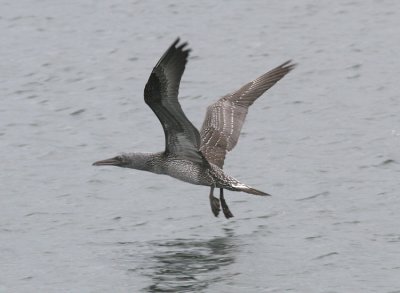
(182, 139)
(225, 118)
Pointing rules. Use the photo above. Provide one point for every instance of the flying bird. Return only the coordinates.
(190, 156)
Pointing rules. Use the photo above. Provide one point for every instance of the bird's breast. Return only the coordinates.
(188, 171)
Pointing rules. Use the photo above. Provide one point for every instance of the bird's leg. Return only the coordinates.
(225, 208)
(214, 202)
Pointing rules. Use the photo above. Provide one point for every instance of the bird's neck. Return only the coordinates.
(144, 161)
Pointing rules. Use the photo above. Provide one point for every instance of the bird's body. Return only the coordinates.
(190, 156)
(198, 173)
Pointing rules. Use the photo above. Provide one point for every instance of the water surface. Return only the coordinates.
(325, 142)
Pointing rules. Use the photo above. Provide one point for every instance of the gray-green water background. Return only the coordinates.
(325, 142)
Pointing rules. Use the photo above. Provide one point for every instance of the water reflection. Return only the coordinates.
(190, 265)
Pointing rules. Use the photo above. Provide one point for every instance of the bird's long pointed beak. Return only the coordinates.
(108, 162)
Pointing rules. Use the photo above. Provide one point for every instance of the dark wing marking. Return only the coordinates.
(225, 118)
(161, 94)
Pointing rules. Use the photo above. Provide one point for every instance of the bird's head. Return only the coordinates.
(139, 161)
(120, 161)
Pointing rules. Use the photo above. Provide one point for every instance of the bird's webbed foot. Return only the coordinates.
(225, 209)
(214, 202)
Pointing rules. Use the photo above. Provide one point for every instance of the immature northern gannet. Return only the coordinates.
(190, 156)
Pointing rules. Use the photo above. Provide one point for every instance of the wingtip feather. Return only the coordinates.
(177, 40)
(289, 65)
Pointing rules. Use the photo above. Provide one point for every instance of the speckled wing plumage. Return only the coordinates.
(182, 139)
(225, 118)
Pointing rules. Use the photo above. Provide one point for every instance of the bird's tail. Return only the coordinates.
(245, 188)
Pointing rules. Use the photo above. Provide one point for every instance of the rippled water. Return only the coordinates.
(325, 142)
